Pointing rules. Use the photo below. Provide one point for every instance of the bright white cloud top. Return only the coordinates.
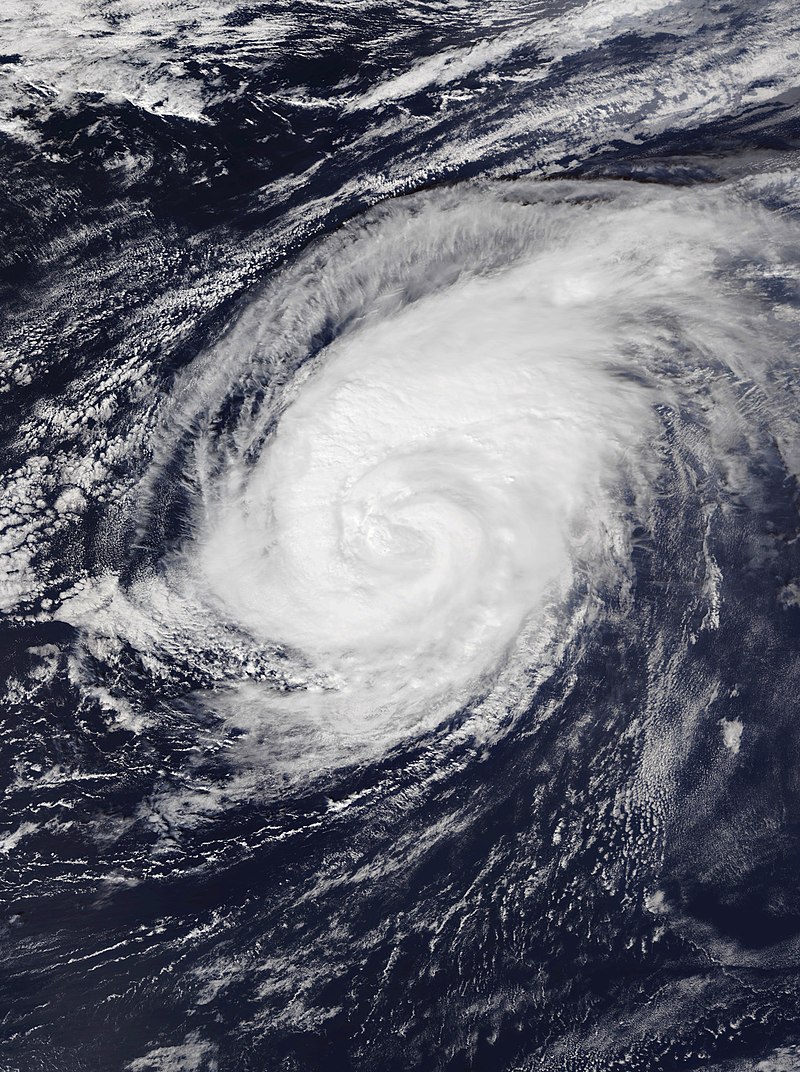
(425, 448)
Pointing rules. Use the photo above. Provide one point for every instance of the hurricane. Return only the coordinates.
(399, 561)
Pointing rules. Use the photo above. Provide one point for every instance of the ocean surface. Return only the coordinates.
(399, 544)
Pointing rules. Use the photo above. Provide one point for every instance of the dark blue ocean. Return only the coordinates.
(399, 542)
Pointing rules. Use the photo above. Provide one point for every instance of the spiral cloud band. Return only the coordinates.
(400, 535)
(435, 437)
